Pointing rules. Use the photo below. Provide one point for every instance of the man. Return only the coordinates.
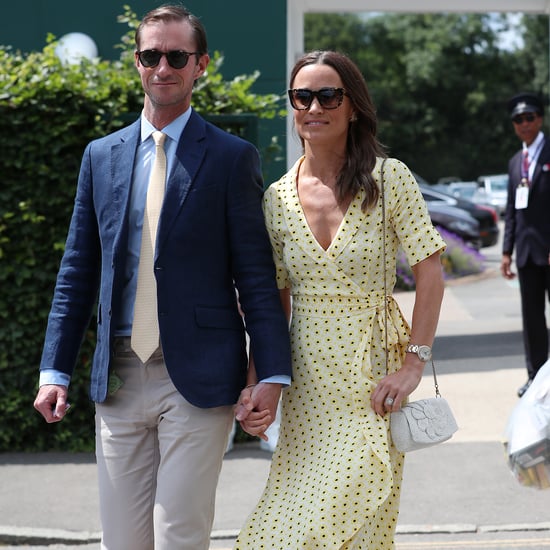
(527, 227)
(163, 415)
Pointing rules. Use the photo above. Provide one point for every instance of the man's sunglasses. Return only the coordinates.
(329, 98)
(527, 117)
(177, 59)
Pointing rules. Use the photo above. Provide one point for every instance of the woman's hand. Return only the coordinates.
(393, 389)
(256, 423)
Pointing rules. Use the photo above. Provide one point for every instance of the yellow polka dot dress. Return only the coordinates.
(335, 477)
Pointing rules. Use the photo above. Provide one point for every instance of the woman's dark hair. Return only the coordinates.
(169, 13)
(362, 145)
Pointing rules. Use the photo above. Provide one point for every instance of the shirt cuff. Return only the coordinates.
(277, 379)
(56, 377)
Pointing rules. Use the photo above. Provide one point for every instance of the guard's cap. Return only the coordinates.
(525, 103)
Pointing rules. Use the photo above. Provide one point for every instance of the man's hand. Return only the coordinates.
(51, 402)
(506, 267)
(257, 408)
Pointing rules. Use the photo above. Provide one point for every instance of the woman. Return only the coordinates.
(335, 476)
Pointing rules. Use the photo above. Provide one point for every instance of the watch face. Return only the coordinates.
(425, 353)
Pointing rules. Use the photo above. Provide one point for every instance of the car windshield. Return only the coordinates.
(500, 184)
(464, 190)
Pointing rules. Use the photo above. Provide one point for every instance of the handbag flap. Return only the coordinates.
(430, 420)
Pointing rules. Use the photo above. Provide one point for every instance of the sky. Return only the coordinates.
(510, 40)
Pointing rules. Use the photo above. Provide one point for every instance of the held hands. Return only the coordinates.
(393, 389)
(51, 402)
(257, 407)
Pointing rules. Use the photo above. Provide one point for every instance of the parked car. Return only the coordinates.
(493, 190)
(486, 216)
(462, 189)
(469, 190)
(447, 179)
(456, 221)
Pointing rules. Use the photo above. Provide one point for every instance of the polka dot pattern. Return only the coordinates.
(335, 477)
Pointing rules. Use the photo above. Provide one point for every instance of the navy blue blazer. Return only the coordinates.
(528, 230)
(211, 239)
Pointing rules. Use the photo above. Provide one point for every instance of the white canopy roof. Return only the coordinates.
(419, 6)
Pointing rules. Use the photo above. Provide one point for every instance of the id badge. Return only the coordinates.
(522, 197)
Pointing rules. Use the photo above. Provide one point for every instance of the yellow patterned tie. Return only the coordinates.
(145, 327)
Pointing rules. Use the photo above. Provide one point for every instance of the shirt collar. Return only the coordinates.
(173, 130)
(535, 146)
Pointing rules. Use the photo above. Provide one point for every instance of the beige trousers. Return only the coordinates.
(159, 460)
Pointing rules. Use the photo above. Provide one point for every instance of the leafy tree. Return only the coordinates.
(440, 83)
(533, 57)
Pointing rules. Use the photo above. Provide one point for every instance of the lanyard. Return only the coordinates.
(525, 164)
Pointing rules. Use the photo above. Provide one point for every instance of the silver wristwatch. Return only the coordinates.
(424, 352)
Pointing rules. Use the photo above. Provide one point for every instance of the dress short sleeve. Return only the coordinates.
(409, 214)
(274, 221)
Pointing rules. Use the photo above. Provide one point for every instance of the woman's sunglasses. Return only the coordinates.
(177, 59)
(329, 98)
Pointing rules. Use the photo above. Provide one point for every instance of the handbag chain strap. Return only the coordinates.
(437, 394)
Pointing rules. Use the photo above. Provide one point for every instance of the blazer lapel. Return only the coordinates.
(189, 156)
(122, 165)
(543, 161)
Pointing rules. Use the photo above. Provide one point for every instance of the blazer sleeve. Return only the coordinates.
(77, 281)
(508, 240)
(254, 269)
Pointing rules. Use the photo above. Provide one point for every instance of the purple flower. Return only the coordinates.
(458, 260)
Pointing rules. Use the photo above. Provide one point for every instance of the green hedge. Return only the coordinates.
(48, 113)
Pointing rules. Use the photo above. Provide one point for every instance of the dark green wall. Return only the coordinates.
(250, 34)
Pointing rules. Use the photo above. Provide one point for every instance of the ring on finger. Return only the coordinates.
(389, 401)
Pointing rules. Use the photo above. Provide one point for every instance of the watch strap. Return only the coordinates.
(420, 349)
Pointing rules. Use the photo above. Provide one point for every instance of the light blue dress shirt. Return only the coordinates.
(142, 169)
